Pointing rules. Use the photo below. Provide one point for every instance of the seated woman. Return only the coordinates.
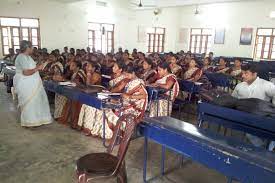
(93, 78)
(62, 105)
(175, 68)
(134, 101)
(47, 65)
(236, 70)
(149, 74)
(168, 82)
(207, 65)
(89, 116)
(222, 68)
(193, 73)
(70, 59)
(57, 68)
(106, 68)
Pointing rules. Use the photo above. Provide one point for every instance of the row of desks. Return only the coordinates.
(230, 157)
(235, 160)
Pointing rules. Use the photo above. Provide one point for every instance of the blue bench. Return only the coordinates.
(260, 126)
(235, 160)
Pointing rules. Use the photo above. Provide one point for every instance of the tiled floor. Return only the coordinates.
(48, 154)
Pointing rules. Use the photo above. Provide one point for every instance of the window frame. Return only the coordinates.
(153, 35)
(271, 43)
(201, 35)
(106, 33)
(20, 27)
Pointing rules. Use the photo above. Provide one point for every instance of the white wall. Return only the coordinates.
(168, 19)
(67, 23)
(232, 17)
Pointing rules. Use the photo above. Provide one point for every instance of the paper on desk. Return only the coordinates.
(11, 67)
(108, 93)
(67, 83)
(106, 76)
(198, 83)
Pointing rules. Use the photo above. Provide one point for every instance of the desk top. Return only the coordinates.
(79, 94)
(227, 145)
(249, 119)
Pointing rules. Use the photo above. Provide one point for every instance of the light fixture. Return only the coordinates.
(272, 14)
(197, 10)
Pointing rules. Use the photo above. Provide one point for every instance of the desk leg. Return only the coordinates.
(157, 108)
(145, 159)
(162, 159)
(104, 119)
(229, 179)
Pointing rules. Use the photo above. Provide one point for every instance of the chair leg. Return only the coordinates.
(82, 178)
(122, 174)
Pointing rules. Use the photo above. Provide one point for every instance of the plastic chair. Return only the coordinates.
(96, 166)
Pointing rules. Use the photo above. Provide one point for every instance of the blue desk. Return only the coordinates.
(76, 94)
(224, 154)
(250, 123)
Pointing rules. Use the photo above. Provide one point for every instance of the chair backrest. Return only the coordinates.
(128, 123)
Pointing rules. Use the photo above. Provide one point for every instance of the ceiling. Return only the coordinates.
(165, 3)
(171, 3)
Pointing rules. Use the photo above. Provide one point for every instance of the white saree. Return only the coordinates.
(32, 98)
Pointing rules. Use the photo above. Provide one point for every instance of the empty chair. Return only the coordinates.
(96, 166)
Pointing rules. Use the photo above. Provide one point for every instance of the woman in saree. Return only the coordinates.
(207, 65)
(89, 116)
(134, 101)
(93, 78)
(222, 68)
(47, 65)
(57, 68)
(32, 98)
(70, 59)
(193, 73)
(71, 109)
(175, 68)
(236, 70)
(167, 81)
(149, 74)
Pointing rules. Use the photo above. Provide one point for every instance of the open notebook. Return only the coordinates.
(67, 83)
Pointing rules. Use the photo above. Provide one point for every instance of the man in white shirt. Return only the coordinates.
(255, 87)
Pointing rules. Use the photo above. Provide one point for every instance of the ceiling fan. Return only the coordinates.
(197, 12)
(140, 5)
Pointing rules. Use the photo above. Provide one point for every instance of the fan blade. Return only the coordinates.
(134, 4)
(149, 6)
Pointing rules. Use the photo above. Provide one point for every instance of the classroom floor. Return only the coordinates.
(48, 154)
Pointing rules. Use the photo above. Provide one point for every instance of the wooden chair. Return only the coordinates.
(96, 166)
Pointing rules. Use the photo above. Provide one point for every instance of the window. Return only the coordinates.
(14, 30)
(200, 40)
(155, 39)
(265, 44)
(101, 36)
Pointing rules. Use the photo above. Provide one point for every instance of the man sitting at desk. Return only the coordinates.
(255, 87)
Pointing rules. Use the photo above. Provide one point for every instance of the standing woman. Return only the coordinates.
(32, 98)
